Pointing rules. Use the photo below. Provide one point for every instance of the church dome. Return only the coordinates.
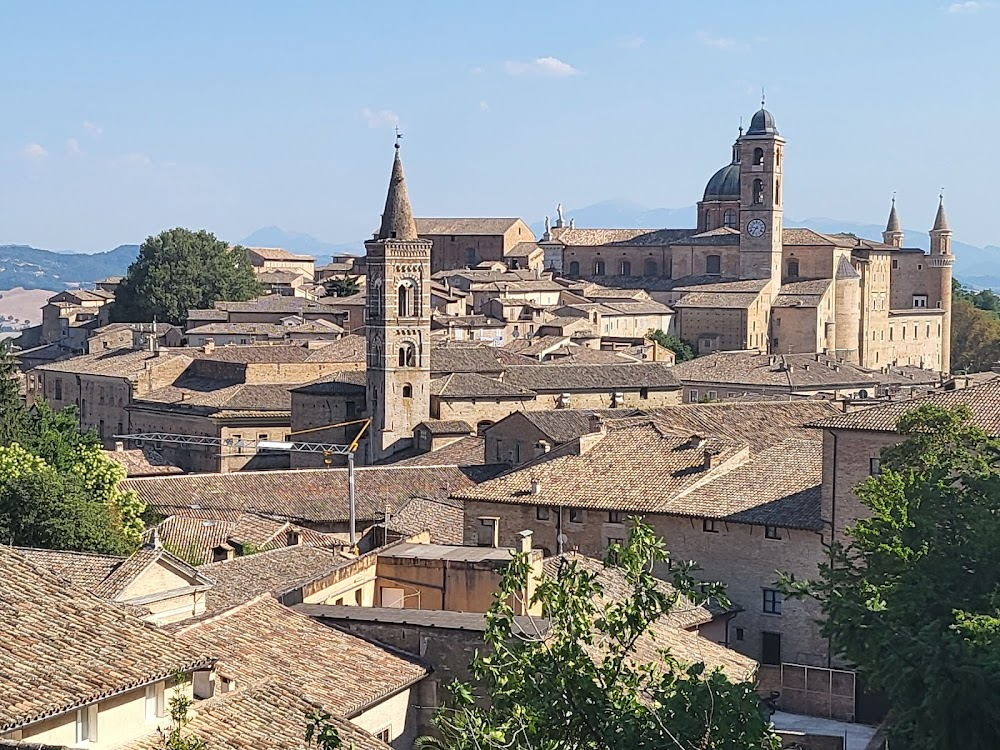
(724, 185)
(762, 123)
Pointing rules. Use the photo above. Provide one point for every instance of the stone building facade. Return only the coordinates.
(837, 294)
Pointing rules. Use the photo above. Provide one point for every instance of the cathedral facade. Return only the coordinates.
(741, 280)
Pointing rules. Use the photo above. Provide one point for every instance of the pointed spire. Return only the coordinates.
(941, 220)
(893, 224)
(397, 219)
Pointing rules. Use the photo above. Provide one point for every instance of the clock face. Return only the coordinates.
(756, 228)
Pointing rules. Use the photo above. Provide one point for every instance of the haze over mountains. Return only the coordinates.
(32, 268)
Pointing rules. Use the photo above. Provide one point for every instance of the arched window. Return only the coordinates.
(649, 267)
(625, 269)
(574, 268)
(729, 218)
(758, 191)
(758, 157)
(406, 296)
(407, 390)
(407, 355)
(470, 256)
(598, 268)
(793, 269)
(713, 265)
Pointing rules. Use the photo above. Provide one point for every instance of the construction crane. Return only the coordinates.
(329, 450)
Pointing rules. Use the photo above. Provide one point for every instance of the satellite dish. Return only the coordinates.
(562, 539)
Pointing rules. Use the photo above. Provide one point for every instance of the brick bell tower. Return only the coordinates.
(761, 156)
(398, 327)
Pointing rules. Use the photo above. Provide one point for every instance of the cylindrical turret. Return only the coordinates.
(941, 261)
(847, 312)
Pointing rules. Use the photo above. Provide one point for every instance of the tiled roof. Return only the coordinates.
(522, 250)
(262, 716)
(444, 518)
(193, 539)
(63, 648)
(732, 301)
(278, 277)
(560, 377)
(263, 639)
(274, 330)
(464, 358)
(213, 314)
(142, 462)
(210, 394)
(276, 253)
(272, 572)
(594, 237)
(802, 293)
(563, 425)
(340, 383)
(723, 287)
(472, 385)
(466, 452)
(754, 368)
(801, 236)
(982, 400)
(464, 225)
(80, 569)
(297, 495)
(346, 349)
(276, 303)
(115, 362)
(631, 467)
(446, 427)
(720, 236)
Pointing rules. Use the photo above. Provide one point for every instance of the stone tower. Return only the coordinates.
(398, 329)
(893, 234)
(941, 261)
(761, 155)
(847, 311)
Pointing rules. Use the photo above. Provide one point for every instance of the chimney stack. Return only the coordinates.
(711, 459)
(119, 446)
(536, 487)
(595, 423)
(525, 541)
(209, 346)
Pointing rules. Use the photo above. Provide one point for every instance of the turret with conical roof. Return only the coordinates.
(941, 262)
(940, 233)
(893, 234)
(398, 330)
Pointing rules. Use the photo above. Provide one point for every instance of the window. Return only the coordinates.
(793, 269)
(692, 396)
(613, 554)
(772, 601)
(920, 300)
(86, 725)
(541, 513)
(154, 701)
(574, 268)
(708, 526)
(739, 634)
(405, 300)
(758, 191)
(758, 157)
(649, 268)
(58, 389)
(470, 256)
(576, 515)
(488, 532)
(407, 390)
(770, 648)
(772, 532)
(616, 516)
(598, 268)
(408, 355)
(644, 393)
(713, 264)
(895, 263)
(625, 269)
(729, 219)
(874, 466)
(712, 395)
(384, 734)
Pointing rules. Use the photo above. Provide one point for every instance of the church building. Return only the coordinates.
(741, 280)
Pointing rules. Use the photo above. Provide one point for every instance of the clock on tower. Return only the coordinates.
(756, 228)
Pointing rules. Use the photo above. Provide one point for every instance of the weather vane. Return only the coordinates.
(398, 136)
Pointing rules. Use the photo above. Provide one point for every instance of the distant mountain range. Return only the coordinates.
(32, 268)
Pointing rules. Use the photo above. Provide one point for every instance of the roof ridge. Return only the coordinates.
(220, 614)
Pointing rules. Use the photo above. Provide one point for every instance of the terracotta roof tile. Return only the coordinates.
(444, 518)
(143, 462)
(473, 385)
(117, 362)
(263, 639)
(464, 225)
(446, 427)
(66, 647)
(606, 377)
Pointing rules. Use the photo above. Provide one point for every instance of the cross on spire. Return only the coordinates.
(398, 136)
(762, 97)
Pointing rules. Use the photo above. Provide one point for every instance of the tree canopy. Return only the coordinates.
(913, 597)
(343, 286)
(581, 685)
(682, 351)
(181, 269)
(975, 329)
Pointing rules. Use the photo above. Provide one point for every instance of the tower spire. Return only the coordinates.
(397, 219)
(893, 224)
(893, 234)
(941, 219)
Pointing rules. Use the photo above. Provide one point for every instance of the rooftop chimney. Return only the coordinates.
(209, 346)
(594, 422)
(525, 542)
(711, 459)
(119, 446)
(536, 487)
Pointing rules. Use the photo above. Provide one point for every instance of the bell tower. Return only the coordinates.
(398, 326)
(761, 155)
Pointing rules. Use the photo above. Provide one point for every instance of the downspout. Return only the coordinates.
(833, 530)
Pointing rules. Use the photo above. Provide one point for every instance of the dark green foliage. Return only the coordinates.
(342, 287)
(55, 436)
(682, 351)
(175, 738)
(12, 415)
(913, 598)
(975, 329)
(581, 686)
(321, 732)
(178, 270)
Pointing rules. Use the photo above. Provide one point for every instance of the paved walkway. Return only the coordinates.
(857, 736)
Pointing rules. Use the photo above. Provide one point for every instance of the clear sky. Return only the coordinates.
(120, 119)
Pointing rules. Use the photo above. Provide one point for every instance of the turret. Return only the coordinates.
(893, 234)
(940, 262)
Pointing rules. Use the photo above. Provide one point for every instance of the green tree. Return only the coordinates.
(181, 269)
(343, 286)
(975, 337)
(321, 732)
(100, 477)
(582, 685)
(682, 351)
(175, 738)
(913, 597)
(12, 413)
(42, 507)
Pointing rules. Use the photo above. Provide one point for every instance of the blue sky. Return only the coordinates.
(122, 118)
